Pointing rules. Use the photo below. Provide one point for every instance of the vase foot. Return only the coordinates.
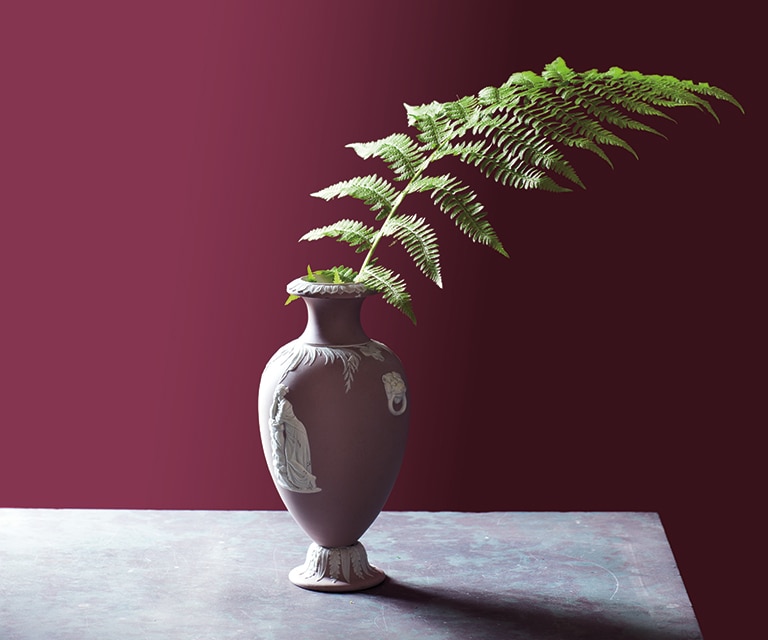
(336, 569)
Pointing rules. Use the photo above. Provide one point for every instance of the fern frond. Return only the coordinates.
(509, 173)
(401, 153)
(705, 89)
(430, 120)
(374, 191)
(543, 115)
(391, 286)
(429, 183)
(635, 90)
(460, 203)
(419, 240)
(519, 143)
(573, 117)
(608, 103)
(620, 95)
(353, 232)
(466, 111)
(518, 134)
(557, 72)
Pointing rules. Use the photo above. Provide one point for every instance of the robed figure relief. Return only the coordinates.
(290, 446)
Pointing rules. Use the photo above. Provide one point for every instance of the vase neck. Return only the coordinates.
(334, 321)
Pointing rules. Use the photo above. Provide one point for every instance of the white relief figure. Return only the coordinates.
(394, 387)
(290, 446)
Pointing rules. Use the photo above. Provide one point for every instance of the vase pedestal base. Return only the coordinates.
(339, 569)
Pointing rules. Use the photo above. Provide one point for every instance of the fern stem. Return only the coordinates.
(395, 205)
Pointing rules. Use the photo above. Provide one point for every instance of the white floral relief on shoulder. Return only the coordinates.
(296, 354)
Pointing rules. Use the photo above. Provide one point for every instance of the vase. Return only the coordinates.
(333, 416)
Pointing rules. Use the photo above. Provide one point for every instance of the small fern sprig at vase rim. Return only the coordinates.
(518, 134)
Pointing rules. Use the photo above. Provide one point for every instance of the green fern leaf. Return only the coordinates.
(558, 72)
(429, 183)
(391, 286)
(571, 123)
(430, 121)
(524, 80)
(608, 104)
(460, 203)
(522, 144)
(401, 153)
(614, 90)
(515, 174)
(539, 117)
(705, 89)
(353, 232)
(653, 91)
(374, 191)
(465, 111)
(419, 240)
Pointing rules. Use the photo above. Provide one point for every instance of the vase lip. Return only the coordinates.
(304, 288)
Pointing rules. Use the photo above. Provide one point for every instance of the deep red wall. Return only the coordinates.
(156, 160)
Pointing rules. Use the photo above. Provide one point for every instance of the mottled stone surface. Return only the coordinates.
(176, 575)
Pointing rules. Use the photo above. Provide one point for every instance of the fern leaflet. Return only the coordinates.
(391, 286)
(420, 241)
(374, 191)
(401, 153)
(353, 232)
(460, 203)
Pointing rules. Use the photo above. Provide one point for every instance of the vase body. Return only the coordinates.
(333, 416)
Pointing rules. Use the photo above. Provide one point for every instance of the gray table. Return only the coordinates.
(175, 575)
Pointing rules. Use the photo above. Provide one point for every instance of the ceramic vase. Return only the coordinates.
(333, 415)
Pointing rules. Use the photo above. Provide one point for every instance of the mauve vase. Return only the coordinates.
(333, 414)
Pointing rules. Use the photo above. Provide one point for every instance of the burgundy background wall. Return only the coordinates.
(156, 160)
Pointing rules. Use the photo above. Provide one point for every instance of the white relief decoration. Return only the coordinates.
(290, 446)
(394, 387)
(303, 287)
(336, 563)
(296, 354)
(291, 459)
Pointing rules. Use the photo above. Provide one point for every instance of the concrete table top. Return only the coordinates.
(177, 575)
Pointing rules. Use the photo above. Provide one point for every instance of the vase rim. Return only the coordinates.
(304, 288)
